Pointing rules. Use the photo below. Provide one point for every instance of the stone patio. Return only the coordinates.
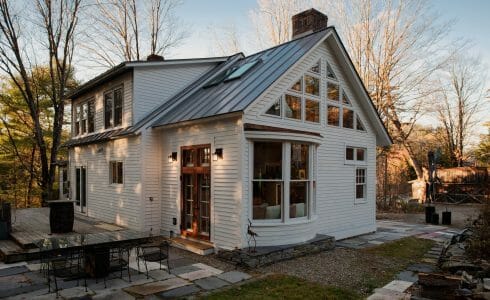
(187, 277)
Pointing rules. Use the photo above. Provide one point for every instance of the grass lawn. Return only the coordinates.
(280, 286)
(348, 274)
(401, 253)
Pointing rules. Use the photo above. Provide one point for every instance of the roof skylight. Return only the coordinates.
(240, 71)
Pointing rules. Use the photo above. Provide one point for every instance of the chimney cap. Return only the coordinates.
(307, 22)
(154, 57)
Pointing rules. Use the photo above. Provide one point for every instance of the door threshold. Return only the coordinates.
(192, 245)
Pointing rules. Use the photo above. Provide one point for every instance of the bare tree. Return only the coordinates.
(396, 47)
(462, 94)
(127, 29)
(272, 20)
(226, 40)
(57, 22)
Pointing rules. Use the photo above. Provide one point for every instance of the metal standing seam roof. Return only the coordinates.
(236, 95)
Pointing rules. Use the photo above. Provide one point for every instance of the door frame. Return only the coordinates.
(194, 170)
(83, 190)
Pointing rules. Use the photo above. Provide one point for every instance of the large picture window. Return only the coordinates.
(279, 167)
(267, 180)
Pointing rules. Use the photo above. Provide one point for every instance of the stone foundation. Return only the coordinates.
(268, 255)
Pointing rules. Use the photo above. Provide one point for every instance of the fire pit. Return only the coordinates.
(61, 216)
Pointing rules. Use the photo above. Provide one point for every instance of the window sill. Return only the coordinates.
(304, 220)
(360, 201)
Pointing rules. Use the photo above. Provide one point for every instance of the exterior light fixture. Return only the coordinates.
(218, 154)
(172, 157)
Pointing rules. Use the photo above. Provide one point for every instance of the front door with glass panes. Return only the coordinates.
(196, 191)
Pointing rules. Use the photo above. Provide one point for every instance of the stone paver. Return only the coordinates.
(6, 266)
(421, 268)
(180, 292)
(156, 287)
(211, 283)
(75, 292)
(398, 285)
(184, 269)
(160, 274)
(233, 276)
(408, 276)
(385, 294)
(199, 274)
(13, 271)
(113, 295)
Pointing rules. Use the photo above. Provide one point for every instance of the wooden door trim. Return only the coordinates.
(195, 170)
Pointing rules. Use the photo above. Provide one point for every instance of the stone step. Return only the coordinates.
(198, 247)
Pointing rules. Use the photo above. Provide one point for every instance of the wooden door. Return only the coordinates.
(196, 191)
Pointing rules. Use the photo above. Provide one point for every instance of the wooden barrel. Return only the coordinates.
(61, 216)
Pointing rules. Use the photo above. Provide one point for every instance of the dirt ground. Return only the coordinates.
(461, 214)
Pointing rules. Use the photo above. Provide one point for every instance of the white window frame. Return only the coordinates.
(364, 198)
(113, 108)
(355, 161)
(310, 209)
(79, 118)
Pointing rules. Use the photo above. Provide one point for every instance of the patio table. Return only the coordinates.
(95, 265)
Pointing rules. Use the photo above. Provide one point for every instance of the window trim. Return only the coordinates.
(113, 109)
(111, 174)
(78, 118)
(286, 179)
(355, 161)
(364, 198)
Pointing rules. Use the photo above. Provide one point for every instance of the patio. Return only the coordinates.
(32, 224)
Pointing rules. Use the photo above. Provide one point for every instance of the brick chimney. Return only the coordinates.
(307, 22)
(154, 57)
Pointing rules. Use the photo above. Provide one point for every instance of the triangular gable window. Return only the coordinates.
(275, 109)
(298, 86)
(330, 73)
(359, 125)
(316, 68)
(345, 99)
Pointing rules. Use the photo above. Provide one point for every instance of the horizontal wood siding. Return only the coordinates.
(337, 213)
(126, 80)
(151, 147)
(155, 85)
(226, 181)
(114, 203)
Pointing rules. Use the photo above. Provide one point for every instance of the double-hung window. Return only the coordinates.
(282, 183)
(85, 117)
(357, 156)
(113, 107)
(116, 172)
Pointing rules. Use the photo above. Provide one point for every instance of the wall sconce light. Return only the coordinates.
(172, 157)
(218, 154)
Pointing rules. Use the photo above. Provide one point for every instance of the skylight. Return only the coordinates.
(237, 73)
(219, 78)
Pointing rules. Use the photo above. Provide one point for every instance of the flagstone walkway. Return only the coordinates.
(186, 277)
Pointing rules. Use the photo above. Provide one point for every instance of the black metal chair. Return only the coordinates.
(157, 250)
(119, 259)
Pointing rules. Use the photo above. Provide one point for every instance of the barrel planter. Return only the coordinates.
(435, 219)
(429, 211)
(61, 216)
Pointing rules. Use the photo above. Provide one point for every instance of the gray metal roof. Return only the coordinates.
(236, 95)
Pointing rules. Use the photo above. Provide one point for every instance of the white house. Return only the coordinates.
(285, 137)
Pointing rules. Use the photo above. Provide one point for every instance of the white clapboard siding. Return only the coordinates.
(113, 203)
(155, 85)
(126, 81)
(336, 211)
(151, 149)
(226, 181)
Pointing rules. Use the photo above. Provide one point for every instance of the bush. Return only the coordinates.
(479, 243)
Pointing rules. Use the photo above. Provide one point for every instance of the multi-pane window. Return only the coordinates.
(299, 183)
(267, 180)
(348, 118)
(113, 108)
(116, 172)
(333, 115)
(302, 96)
(355, 154)
(277, 167)
(332, 91)
(360, 183)
(85, 117)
